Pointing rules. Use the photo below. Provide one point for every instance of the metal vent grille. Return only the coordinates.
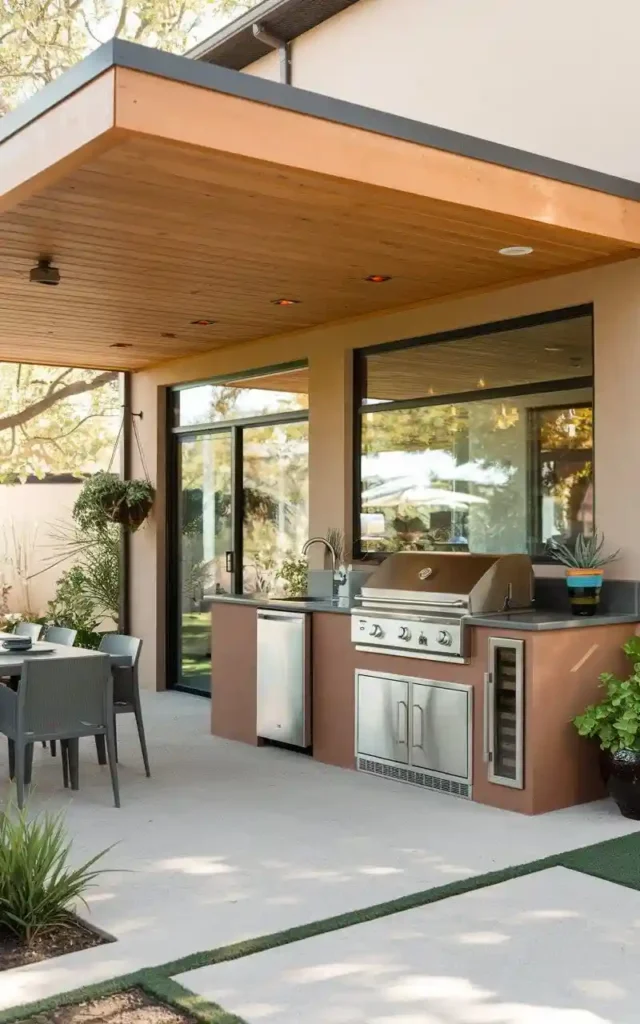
(415, 778)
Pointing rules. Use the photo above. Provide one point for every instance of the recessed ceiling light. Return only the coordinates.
(286, 302)
(553, 348)
(516, 250)
(120, 344)
(378, 278)
(203, 323)
(482, 383)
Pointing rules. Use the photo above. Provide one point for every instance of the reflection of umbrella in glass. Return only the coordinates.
(405, 491)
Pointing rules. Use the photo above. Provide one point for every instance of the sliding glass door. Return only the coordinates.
(238, 505)
(205, 473)
(275, 480)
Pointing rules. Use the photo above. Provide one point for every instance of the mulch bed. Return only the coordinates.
(131, 1007)
(69, 938)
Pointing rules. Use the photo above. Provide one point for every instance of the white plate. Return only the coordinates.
(36, 649)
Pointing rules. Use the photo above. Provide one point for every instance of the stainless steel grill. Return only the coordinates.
(418, 603)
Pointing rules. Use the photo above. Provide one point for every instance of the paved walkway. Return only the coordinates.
(227, 842)
(556, 947)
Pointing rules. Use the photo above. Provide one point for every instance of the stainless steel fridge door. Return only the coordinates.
(283, 678)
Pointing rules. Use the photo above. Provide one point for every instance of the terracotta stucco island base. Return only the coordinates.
(561, 677)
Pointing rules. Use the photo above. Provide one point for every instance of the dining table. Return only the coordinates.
(12, 663)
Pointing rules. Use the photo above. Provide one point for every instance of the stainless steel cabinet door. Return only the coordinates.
(383, 717)
(439, 728)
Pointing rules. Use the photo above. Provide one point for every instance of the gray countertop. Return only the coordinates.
(541, 620)
(535, 620)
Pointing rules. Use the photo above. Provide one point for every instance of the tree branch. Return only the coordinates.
(79, 387)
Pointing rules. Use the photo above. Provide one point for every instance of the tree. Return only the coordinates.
(56, 420)
(39, 39)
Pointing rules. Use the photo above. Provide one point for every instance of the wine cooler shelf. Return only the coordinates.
(504, 712)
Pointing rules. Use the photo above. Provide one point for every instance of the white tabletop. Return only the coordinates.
(11, 662)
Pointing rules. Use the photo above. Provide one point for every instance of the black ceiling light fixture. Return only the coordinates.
(44, 273)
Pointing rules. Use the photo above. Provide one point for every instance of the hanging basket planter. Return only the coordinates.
(106, 497)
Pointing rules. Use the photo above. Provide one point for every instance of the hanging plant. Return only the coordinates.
(106, 498)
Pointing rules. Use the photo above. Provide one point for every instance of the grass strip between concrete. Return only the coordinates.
(615, 860)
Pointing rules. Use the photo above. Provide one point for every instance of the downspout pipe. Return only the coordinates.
(283, 48)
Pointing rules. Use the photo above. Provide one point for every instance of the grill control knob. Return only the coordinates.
(444, 638)
(405, 633)
(376, 631)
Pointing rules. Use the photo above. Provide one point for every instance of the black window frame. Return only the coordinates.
(361, 407)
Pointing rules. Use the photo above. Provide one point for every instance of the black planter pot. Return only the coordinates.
(621, 772)
(584, 586)
(132, 516)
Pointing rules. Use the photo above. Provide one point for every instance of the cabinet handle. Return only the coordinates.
(488, 718)
(403, 725)
(420, 743)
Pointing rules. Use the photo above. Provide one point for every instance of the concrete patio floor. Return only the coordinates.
(557, 947)
(227, 842)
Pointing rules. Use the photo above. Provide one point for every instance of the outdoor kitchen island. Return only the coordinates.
(493, 726)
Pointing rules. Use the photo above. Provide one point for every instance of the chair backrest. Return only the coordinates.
(65, 697)
(123, 645)
(30, 629)
(61, 635)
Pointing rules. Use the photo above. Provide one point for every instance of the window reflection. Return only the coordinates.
(479, 440)
(495, 476)
(244, 398)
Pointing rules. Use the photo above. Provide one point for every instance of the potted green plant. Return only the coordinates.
(584, 570)
(615, 723)
(294, 573)
(106, 497)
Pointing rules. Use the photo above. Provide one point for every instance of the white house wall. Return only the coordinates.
(555, 77)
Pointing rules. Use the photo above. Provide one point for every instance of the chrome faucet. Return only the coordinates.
(338, 576)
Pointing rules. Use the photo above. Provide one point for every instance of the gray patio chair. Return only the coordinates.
(58, 700)
(126, 689)
(61, 635)
(30, 629)
(66, 638)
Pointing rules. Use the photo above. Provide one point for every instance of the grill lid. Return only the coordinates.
(477, 583)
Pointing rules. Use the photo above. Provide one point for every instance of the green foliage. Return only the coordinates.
(106, 498)
(38, 886)
(90, 589)
(55, 420)
(587, 553)
(294, 573)
(41, 38)
(72, 607)
(615, 720)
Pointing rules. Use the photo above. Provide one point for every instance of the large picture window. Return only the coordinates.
(478, 440)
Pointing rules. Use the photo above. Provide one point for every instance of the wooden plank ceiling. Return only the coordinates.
(154, 235)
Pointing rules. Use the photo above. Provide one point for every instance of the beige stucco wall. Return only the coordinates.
(28, 514)
(556, 78)
(615, 292)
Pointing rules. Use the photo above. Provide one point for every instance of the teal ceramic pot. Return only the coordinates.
(584, 586)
